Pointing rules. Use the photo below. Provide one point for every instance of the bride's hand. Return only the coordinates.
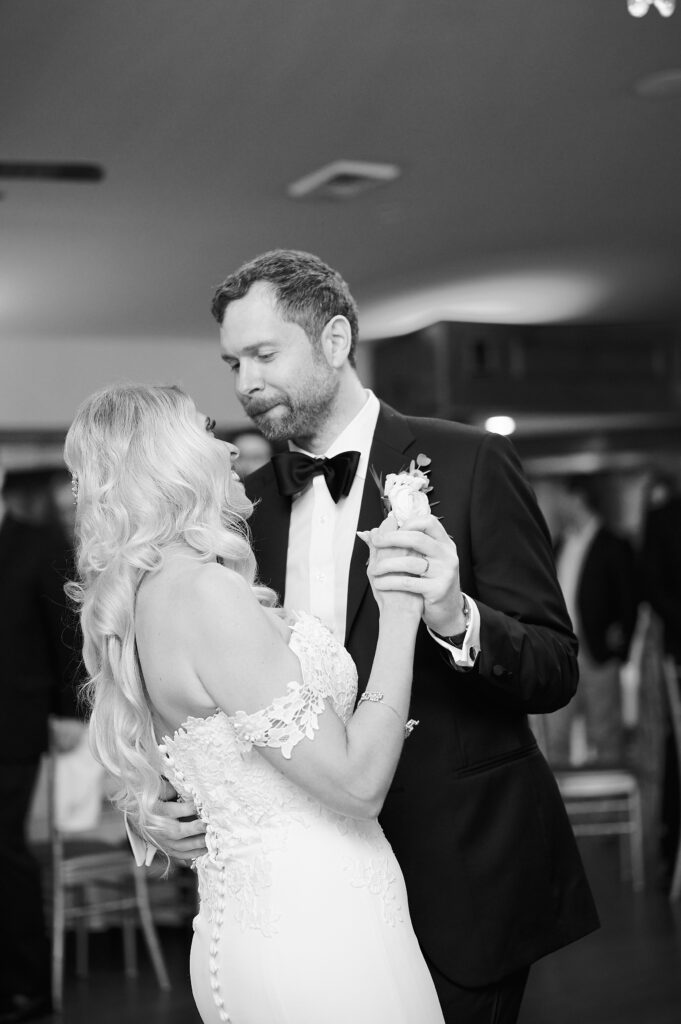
(388, 568)
(435, 576)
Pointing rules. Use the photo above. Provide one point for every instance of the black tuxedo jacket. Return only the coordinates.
(38, 663)
(474, 815)
(607, 597)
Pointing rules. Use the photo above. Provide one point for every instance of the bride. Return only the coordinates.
(196, 676)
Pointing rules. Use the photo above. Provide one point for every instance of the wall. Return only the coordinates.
(42, 381)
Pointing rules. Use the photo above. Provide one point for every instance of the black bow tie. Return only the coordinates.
(294, 470)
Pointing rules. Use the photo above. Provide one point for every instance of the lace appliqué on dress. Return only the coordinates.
(238, 838)
(376, 876)
(326, 666)
(246, 884)
(284, 723)
(372, 869)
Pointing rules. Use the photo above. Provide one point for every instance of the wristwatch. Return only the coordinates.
(458, 638)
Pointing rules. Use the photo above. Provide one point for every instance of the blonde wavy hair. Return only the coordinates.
(147, 476)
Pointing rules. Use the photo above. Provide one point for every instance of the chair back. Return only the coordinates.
(78, 805)
(673, 692)
(94, 879)
(672, 684)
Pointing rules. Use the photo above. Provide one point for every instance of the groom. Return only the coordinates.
(474, 816)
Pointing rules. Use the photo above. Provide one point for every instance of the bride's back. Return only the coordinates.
(174, 636)
(166, 639)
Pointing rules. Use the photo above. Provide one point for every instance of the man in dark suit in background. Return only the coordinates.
(492, 871)
(661, 566)
(37, 665)
(598, 576)
(661, 561)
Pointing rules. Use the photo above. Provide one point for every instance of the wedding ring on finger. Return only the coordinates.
(425, 571)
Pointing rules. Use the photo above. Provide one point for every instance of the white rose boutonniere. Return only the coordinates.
(405, 494)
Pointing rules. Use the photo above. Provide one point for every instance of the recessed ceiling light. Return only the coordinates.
(500, 425)
(660, 85)
(639, 8)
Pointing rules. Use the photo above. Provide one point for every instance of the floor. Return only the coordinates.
(108, 997)
(627, 973)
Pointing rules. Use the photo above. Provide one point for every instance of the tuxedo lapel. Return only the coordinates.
(391, 439)
(271, 521)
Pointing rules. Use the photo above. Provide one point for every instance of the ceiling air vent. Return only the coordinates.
(342, 179)
(51, 170)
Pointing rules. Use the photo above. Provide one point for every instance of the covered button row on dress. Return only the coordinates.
(214, 948)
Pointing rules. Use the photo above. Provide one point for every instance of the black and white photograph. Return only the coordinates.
(340, 511)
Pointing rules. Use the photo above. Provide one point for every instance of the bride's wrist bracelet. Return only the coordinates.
(376, 697)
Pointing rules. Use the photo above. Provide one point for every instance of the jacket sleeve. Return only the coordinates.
(60, 624)
(528, 652)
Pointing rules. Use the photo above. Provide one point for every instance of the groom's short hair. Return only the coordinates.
(309, 293)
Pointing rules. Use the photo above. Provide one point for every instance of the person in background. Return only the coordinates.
(37, 665)
(63, 505)
(27, 495)
(598, 576)
(254, 451)
(474, 814)
(661, 568)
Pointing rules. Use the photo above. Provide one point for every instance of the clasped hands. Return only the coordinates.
(419, 558)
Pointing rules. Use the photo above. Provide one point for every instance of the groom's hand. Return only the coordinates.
(438, 582)
(182, 836)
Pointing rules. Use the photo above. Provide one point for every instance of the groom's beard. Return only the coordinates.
(281, 417)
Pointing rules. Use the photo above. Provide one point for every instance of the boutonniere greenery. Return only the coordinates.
(405, 493)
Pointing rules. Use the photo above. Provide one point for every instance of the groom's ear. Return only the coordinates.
(336, 340)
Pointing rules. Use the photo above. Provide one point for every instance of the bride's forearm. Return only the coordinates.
(376, 731)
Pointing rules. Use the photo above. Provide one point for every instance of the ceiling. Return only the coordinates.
(535, 184)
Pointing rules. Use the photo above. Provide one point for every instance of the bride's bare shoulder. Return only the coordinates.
(226, 623)
(220, 596)
(184, 588)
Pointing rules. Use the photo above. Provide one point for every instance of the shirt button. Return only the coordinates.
(322, 519)
(321, 577)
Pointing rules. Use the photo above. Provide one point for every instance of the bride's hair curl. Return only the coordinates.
(147, 475)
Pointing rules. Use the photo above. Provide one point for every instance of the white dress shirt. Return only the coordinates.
(322, 532)
(322, 535)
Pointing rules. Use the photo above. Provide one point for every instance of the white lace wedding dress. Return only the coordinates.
(303, 916)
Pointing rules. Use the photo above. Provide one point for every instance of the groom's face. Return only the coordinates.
(282, 379)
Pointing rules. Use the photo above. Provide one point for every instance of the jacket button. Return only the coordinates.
(498, 670)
